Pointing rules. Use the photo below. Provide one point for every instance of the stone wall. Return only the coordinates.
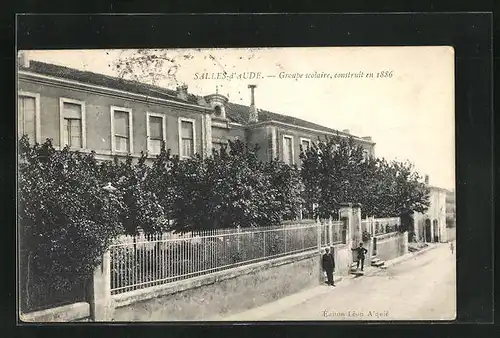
(221, 293)
(391, 246)
(77, 312)
(343, 259)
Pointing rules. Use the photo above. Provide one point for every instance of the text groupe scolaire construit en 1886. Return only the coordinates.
(384, 74)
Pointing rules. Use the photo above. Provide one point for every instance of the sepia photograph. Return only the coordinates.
(236, 184)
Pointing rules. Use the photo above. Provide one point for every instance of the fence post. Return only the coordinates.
(405, 242)
(318, 227)
(100, 291)
(352, 213)
(321, 276)
(330, 230)
(238, 236)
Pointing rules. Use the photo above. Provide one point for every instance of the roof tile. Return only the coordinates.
(235, 112)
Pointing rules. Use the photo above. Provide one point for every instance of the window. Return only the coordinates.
(305, 143)
(218, 145)
(28, 116)
(218, 111)
(121, 130)
(366, 155)
(288, 149)
(155, 132)
(186, 137)
(72, 123)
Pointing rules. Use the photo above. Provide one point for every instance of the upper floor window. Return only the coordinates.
(186, 137)
(218, 111)
(305, 143)
(72, 123)
(121, 130)
(155, 132)
(288, 150)
(28, 116)
(218, 144)
(366, 155)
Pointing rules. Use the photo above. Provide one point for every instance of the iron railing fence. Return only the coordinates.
(147, 260)
(386, 225)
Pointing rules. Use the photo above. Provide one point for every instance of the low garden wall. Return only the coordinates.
(77, 312)
(392, 245)
(221, 293)
(343, 259)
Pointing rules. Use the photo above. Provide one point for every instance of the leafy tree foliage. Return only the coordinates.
(67, 221)
(232, 188)
(335, 170)
(143, 208)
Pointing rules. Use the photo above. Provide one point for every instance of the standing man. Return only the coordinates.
(333, 261)
(328, 266)
(361, 251)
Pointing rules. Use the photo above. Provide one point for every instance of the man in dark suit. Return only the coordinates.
(333, 261)
(328, 264)
(361, 251)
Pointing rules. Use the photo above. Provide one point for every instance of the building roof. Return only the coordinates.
(235, 112)
(105, 81)
(239, 113)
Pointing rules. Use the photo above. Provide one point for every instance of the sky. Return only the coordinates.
(407, 107)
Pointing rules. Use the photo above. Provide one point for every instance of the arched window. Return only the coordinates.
(218, 111)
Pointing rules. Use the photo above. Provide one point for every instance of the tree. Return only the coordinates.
(335, 171)
(67, 221)
(143, 208)
(231, 188)
(286, 186)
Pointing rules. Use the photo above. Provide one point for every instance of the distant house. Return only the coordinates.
(431, 226)
(450, 209)
(112, 116)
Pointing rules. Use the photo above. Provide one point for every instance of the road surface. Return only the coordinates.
(421, 288)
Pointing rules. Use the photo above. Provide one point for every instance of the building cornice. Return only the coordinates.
(235, 124)
(432, 187)
(293, 126)
(76, 85)
(220, 123)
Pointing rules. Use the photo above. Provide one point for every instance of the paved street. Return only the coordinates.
(421, 288)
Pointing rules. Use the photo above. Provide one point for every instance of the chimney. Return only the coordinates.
(23, 59)
(367, 138)
(346, 131)
(253, 116)
(426, 179)
(182, 92)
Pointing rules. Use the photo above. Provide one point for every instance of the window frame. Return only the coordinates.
(292, 146)
(38, 127)
(308, 140)
(62, 101)
(130, 129)
(366, 155)
(163, 127)
(190, 120)
(220, 141)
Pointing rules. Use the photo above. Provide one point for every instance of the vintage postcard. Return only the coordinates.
(255, 184)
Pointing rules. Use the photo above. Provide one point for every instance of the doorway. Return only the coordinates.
(427, 231)
(435, 225)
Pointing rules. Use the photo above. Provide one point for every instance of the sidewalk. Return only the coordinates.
(301, 297)
(284, 303)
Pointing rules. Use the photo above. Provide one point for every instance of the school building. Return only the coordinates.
(113, 116)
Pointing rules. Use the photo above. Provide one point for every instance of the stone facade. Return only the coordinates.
(215, 120)
(431, 226)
